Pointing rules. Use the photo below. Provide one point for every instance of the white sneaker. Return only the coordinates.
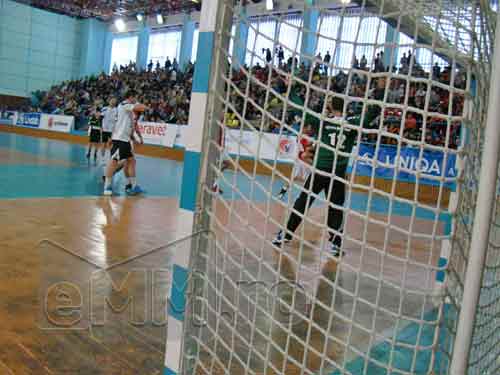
(280, 239)
(335, 249)
(108, 191)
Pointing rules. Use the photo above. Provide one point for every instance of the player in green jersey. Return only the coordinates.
(336, 141)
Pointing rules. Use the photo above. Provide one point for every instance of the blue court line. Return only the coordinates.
(177, 301)
(402, 356)
(257, 189)
(159, 177)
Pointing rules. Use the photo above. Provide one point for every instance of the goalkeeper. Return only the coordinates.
(328, 170)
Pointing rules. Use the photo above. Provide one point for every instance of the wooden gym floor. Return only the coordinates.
(55, 223)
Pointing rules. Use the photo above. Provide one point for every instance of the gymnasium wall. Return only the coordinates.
(37, 48)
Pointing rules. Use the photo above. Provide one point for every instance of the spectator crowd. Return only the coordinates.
(164, 89)
(256, 95)
(422, 111)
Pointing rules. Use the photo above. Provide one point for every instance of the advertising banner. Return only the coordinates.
(158, 133)
(267, 145)
(288, 148)
(57, 123)
(431, 163)
(8, 117)
(284, 148)
(31, 119)
(238, 142)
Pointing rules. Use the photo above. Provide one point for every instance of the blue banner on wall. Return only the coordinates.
(431, 163)
(29, 119)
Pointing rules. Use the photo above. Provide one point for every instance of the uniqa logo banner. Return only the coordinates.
(409, 162)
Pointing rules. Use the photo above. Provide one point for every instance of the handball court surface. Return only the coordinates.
(51, 209)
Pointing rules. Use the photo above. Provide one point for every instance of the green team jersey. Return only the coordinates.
(335, 136)
(339, 138)
(95, 123)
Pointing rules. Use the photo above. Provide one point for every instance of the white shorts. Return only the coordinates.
(301, 170)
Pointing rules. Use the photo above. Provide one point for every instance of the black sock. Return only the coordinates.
(336, 240)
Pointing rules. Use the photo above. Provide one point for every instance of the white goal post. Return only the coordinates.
(385, 260)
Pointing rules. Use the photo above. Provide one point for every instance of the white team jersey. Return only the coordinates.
(109, 119)
(125, 123)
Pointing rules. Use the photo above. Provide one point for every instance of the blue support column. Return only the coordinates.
(107, 52)
(309, 39)
(391, 40)
(338, 46)
(188, 29)
(143, 48)
(93, 42)
(240, 39)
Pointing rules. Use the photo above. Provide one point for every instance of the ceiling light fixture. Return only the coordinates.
(269, 4)
(140, 17)
(120, 25)
(159, 19)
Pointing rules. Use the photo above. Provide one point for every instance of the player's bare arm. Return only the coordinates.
(137, 132)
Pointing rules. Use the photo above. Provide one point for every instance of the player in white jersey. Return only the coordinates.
(122, 149)
(109, 118)
(301, 170)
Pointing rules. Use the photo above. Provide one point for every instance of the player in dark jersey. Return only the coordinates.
(95, 133)
(337, 137)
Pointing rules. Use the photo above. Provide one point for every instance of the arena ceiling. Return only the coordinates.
(109, 9)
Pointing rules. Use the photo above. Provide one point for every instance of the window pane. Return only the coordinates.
(328, 29)
(261, 34)
(124, 50)
(290, 34)
(357, 37)
(231, 41)
(194, 50)
(424, 56)
(372, 31)
(163, 45)
(405, 46)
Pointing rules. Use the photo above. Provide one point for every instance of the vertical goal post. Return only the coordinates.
(405, 297)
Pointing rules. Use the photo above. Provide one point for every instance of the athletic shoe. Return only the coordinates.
(128, 187)
(282, 193)
(216, 189)
(136, 190)
(280, 239)
(108, 191)
(336, 247)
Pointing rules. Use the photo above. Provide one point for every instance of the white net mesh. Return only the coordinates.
(484, 354)
(372, 105)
